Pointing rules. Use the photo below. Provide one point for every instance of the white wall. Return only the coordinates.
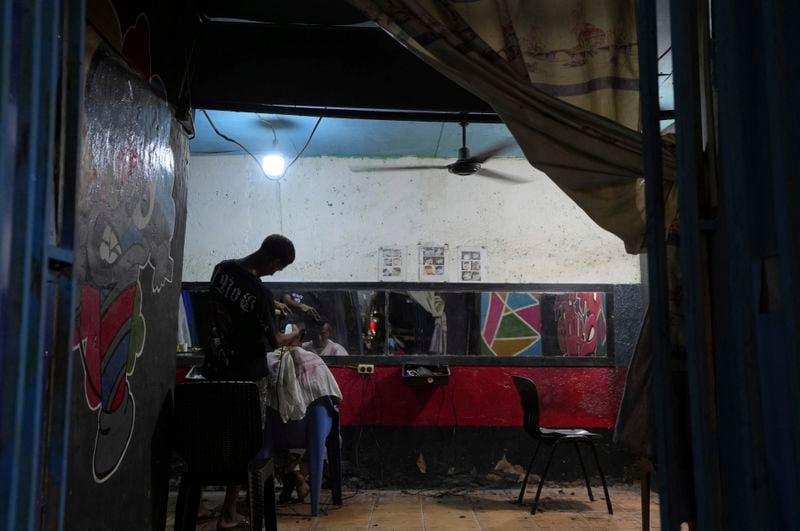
(338, 220)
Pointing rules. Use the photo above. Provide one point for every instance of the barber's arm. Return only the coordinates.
(281, 308)
(299, 306)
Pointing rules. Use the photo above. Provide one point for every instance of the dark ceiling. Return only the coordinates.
(316, 57)
(306, 12)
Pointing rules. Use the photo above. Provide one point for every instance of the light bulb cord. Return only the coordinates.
(233, 141)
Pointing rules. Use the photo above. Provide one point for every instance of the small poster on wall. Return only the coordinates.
(432, 263)
(472, 264)
(390, 263)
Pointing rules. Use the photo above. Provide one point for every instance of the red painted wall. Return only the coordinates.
(571, 397)
(585, 397)
(180, 374)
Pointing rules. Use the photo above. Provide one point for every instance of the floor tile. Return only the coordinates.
(559, 509)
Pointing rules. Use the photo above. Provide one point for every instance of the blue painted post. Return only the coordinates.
(7, 147)
(32, 445)
(689, 25)
(656, 256)
(780, 367)
(61, 262)
(25, 297)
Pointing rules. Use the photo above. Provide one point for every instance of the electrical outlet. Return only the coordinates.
(366, 368)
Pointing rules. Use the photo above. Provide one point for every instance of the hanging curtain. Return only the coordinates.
(562, 75)
(434, 305)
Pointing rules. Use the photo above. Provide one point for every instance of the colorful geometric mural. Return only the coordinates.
(581, 322)
(511, 324)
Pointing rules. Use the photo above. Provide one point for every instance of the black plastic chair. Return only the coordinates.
(529, 397)
(219, 436)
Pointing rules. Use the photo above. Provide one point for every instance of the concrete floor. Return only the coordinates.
(560, 508)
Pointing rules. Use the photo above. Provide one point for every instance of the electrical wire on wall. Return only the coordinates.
(303, 149)
(438, 141)
(360, 422)
(288, 166)
(280, 207)
(271, 126)
(376, 414)
(258, 163)
(234, 141)
(194, 129)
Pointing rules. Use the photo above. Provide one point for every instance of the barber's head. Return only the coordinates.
(275, 253)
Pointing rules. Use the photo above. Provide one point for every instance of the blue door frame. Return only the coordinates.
(41, 63)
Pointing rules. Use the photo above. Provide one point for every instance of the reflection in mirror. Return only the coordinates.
(425, 321)
(398, 321)
(543, 324)
(331, 319)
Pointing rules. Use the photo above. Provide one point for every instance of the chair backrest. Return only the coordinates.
(217, 429)
(529, 397)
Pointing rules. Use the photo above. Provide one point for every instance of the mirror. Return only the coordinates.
(447, 321)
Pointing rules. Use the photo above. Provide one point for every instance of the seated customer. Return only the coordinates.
(297, 379)
(321, 342)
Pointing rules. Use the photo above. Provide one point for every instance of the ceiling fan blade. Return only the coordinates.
(485, 155)
(484, 172)
(277, 122)
(395, 168)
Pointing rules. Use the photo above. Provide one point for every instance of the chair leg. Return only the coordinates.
(315, 464)
(270, 513)
(255, 499)
(583, 469)
(335, 466)
(646, 500)
(541, 481)
(528, 473)
(602, 478)
(319, 429)
(187, 504)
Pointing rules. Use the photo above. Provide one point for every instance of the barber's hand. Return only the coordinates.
(310, 310)
(281, 307)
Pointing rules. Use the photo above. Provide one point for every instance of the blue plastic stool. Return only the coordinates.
(315, 432)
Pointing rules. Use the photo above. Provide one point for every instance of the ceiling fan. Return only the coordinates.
(275, 122)
(466, 164)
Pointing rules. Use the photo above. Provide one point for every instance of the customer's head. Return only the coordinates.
(294, 323)
(320, 333)
(276, 252)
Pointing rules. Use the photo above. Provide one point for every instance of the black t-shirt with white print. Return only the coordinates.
(244, 319)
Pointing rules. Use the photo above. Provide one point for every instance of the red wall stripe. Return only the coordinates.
(571, 397)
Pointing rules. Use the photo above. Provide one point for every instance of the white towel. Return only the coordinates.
(297, 377)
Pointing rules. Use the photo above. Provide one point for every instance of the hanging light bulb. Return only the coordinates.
(273, 164)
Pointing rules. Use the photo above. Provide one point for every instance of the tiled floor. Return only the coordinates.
(560, 508)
